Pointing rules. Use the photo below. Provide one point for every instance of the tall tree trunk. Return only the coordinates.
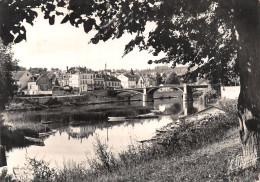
(249, 63)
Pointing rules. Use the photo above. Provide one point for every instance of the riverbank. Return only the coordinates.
(193, 152)
(91, 98)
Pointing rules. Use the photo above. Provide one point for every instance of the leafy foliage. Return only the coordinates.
(7, 87)
(14, 12)
(172, 79)
(158, 79)
(35, 171)
(189, 32)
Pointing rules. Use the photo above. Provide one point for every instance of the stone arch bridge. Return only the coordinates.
(148, 92)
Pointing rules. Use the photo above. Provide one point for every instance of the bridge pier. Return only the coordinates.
(187, 107)
(147, 97)
(144, 95)
(187, 93)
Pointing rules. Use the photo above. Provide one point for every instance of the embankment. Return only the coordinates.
(90, 98)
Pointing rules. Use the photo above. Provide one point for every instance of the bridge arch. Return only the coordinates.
(151, 91)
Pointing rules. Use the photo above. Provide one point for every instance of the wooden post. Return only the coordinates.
(129, 100)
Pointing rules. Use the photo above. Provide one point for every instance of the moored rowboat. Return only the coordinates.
(115, 119)
(146, 116)
(46, 122)
(34, 140)
(47, 133)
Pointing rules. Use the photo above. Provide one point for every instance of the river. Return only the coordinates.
(75, 143)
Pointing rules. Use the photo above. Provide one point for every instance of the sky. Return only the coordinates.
(62, 45)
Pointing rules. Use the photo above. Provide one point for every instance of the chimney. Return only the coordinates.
(67, 68)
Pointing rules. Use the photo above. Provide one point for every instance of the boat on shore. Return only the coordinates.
(117, 119)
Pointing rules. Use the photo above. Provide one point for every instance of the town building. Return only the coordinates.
(140, 82)
(21, 79)
(86, 80)
(98, 82)
(111, 82)
(32, 88)
(39, 85)
(127, 80)
(74, 80)
(64, 79)
(80, 79)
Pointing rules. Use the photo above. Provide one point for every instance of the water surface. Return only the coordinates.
(74, 143)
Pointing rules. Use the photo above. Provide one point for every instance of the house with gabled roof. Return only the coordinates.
(127, 80)
(40, 85)
(111, 82)
(21, 79)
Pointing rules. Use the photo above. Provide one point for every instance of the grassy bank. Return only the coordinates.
(193, 152)
(12, 136)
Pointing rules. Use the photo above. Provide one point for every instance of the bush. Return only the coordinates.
(105, 160)
(5, 177)
(228, 105)
(35, 171)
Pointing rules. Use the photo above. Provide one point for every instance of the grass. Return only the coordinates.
(194, 152)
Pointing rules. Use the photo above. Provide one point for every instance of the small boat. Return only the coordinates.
(34, 140)
(46, 122)
(47, 133)
(117, 119)
(146, 116)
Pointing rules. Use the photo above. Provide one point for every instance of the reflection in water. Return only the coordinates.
(75, 142)
(72, 143)
(81, 132)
